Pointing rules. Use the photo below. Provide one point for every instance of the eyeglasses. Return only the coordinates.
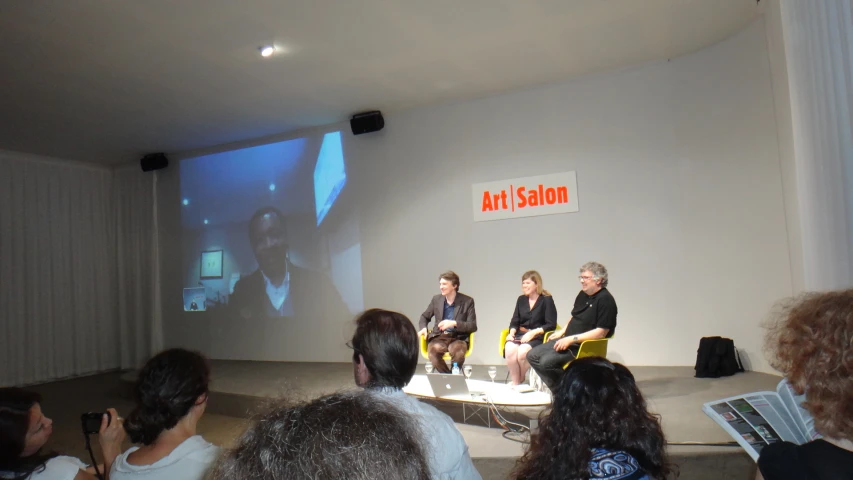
(355, 353)
(584, 279)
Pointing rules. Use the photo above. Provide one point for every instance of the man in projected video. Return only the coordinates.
(278, 288)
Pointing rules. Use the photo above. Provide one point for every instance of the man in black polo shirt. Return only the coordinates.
(593, 316)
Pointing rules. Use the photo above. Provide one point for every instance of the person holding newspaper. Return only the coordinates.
(812, 345)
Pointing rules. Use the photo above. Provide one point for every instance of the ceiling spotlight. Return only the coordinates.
(272, 187)
(186, 201)
(205, 221)
(267, 51)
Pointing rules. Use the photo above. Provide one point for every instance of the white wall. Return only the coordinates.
(680, 197)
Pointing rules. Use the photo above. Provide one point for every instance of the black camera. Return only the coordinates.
(92, 421)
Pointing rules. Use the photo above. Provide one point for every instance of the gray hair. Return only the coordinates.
(598, 272)
(344, 435)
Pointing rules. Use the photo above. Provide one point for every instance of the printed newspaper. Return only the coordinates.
(758, 419)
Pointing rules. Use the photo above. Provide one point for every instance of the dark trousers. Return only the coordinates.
(548, 363)
(442, 344)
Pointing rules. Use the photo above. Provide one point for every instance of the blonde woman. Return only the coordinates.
(535, 314)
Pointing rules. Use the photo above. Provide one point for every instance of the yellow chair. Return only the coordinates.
(505, 333)
(548, 334)
(446, 357)
(591, 348)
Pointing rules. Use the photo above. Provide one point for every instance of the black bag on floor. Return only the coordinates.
(717, 357)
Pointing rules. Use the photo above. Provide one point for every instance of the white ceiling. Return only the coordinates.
(107, 80)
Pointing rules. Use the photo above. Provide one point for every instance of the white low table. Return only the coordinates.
(500, 394)
(483, 396)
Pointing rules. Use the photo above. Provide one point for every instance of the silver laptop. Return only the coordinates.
(447, 385)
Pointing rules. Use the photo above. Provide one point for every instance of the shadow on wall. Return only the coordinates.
(745, 361)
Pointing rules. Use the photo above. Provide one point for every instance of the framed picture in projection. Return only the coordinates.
(211, 264)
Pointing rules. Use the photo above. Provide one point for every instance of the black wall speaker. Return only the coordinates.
(367, 122)
(154, 161)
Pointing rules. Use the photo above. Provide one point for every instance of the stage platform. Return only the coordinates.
(239, 388)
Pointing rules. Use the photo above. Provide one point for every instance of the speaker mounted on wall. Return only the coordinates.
(367, 122)
(154, 161)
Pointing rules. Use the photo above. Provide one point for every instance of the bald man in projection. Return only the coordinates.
(279, 288)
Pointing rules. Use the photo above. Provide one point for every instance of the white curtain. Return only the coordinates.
(57, 274)
(818, 38)
(78, 269)
(138, 265)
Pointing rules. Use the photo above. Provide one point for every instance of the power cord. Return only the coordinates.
(511, 429)
(522, 432)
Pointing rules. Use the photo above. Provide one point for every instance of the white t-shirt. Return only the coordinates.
(57, 468)
(447, 452)
(188, 461)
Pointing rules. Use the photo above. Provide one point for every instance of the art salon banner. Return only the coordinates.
(526, 197)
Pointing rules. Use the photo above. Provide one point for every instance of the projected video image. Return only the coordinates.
(253, 243)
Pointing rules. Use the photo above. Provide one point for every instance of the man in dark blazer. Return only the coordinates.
(278, 288)
(455, 318)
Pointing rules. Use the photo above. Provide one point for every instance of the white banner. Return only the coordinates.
(526, 197)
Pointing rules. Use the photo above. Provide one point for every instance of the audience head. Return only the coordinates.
(268, 236)
(447, 281)
(23, 432)
(346, 435)
(596, 405)
(531, 282)
(598, 276)
(810, 340)
(172, 385)
(385, 349)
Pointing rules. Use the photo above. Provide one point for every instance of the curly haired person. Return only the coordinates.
(811, 343)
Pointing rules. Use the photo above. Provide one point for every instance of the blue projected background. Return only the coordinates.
(304, 179)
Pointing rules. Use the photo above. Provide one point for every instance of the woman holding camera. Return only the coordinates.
(171, 395)
(24, 430)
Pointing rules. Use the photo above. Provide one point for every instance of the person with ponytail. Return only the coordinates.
(24, 430)
(171, 396)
